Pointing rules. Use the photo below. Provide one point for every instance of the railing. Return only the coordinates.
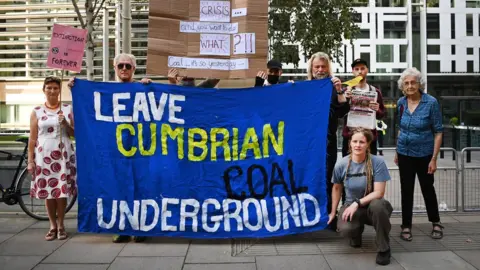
(446, 184)
(470, 181)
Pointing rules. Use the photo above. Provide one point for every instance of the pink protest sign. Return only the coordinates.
(67, 46)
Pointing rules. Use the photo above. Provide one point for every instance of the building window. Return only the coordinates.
(384, 53)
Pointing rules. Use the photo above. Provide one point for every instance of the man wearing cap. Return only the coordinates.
(274, 71)
(360, 68)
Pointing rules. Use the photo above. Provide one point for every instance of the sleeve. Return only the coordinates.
(338, 173)
(380, 173)
(341, 109)
(381, 110)
(208, 83)
(259, 81)
(436, 117)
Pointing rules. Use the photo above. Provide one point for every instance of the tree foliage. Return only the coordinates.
(315, 25)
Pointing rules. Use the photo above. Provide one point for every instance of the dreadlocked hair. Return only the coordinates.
(368, 159)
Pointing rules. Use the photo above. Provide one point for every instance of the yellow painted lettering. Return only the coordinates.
(192, 144)
(121, 148)
(269, 136)
(235, 144)
(153, 136)
(250, 135)
(223, 143)
(176, 134)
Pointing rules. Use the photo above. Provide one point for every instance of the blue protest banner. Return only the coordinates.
(165, 160)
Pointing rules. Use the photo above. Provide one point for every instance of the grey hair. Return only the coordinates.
(322, 56)
(412, 72)
(131, 57)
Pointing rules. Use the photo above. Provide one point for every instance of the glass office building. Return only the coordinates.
(439, 37)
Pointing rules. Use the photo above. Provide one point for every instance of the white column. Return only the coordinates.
(423, 41)
(106, 41)
(126, 26)
(118, 37)
(409, 35)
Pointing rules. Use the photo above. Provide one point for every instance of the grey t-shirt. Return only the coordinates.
(356, 181)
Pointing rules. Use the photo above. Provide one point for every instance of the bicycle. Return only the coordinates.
(20, 187)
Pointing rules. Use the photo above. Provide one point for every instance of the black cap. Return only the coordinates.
(274, 64)
(359, 61)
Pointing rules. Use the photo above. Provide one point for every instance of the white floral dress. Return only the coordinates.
(55, 172)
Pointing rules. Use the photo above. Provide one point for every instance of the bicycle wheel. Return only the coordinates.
(32, 206)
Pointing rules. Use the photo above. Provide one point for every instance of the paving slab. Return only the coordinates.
(259, 247)
(450, 228)
(5, 236)
(47, 266)
(15, 225)
(70, 225)
(157, 247)
(460, 242)
(301, 262)
(296, 247)
(432, 260)
(336, 245)
(203, 251)
(86, 248)
(468, 228)
(422, 243)
(467, 218)
(147, 263)
(369, 245)
(358, 261)
(19, 262)
(229, 266)
(470, 256)
(30, 242)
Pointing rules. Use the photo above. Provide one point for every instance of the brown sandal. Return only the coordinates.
(62, 234)
(52, 233)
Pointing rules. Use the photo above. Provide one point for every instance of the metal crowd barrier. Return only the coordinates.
(446, 184)
(470, 182)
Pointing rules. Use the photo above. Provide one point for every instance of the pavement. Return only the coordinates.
(22, 247)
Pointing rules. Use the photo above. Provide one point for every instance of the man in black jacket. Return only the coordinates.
(320, 67)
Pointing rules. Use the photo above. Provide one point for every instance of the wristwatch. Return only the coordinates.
(358, 202)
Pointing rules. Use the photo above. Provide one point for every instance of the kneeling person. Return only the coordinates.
(364, 178)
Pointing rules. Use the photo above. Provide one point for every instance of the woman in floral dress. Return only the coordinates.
(51, 156)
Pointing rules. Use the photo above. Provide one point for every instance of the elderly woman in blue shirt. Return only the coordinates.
(418, 144)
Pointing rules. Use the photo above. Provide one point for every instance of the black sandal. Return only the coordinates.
(406, 235)
(437, 234)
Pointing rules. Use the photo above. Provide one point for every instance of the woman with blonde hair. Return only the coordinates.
(320, 67)
(364, 178)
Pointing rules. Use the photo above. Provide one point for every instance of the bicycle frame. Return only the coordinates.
(6, 194)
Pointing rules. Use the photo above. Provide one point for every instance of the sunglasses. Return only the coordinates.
(127, 66)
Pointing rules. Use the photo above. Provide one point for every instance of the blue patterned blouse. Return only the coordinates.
(418, 129)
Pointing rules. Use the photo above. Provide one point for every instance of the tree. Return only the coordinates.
(316, 25)
(92, 10)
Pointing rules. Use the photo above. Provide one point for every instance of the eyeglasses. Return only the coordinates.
(127, 66)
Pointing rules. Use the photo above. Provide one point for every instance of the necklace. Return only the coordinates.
(52, 108)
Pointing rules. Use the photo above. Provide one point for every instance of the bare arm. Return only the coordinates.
(437, 145)
(336, 195)
(33, 137)
(378, 193)
(70, 127)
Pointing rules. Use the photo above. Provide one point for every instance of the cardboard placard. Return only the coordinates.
(179, 37)
(67, 47)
